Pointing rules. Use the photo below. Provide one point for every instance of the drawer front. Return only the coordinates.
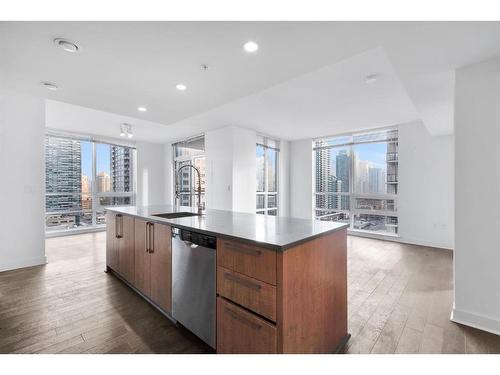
(241, 332)
(253, 294)
(247, 259)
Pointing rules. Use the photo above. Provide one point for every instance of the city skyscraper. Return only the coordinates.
(343, 167)
(121, 163)
(63, 172)
(323, 175)
(103, 182)
(375, 181)
(85, 184)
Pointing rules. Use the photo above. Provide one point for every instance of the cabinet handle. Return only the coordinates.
(147, 237)
(245, 250)
(241, 281)
(151, 238)
(119, 226)
(242, 319)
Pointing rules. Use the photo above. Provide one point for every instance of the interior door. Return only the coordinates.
(161, 266)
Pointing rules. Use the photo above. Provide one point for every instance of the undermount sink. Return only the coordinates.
(175, 215)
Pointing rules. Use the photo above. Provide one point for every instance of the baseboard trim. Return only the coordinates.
(9, 266)
(400, 240)
(481, 322)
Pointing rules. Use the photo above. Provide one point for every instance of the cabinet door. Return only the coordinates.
(126, 254)
(111, 241)
(241, 332)
(161, 266)
(142, 258)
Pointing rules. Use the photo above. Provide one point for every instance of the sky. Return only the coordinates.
(375, 153)
(102, 158)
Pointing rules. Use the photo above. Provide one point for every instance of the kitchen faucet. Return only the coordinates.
(201, 207)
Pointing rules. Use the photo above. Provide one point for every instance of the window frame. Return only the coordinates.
(349, 141)
(96, 207)
(268, 144)
(176, 161)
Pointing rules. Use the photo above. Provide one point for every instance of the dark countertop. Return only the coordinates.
(277, 233)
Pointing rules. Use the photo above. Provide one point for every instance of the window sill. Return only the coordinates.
(380, 236)
(71, 232)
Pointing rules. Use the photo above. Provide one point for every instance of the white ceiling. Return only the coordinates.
(306, 80)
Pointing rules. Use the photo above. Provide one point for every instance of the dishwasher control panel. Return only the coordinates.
(196, 238)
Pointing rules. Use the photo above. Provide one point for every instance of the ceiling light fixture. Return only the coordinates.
(250, 46)
(67, 45)
(142, 109)
(181, 87)
(49, 85)
(372, 78)
(126, 130)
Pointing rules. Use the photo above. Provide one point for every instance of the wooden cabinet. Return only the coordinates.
(161, 266)
(153, 262)
(282, 302)
(111, 241)
(241, 332)
(251, 293)
(120, 245)
(142, 258)
(251, 260)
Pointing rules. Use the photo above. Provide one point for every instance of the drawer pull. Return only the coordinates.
(240, 249)
(243, 320)
(241, 281)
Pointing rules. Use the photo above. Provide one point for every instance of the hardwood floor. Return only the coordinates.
(71, 306)
(400, 298)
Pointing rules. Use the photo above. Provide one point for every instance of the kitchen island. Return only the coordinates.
(278, 285)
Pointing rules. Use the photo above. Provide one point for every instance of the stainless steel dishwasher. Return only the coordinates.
(193, 282)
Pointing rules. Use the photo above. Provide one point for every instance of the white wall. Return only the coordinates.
(151, 174)
(301, 179)
(169, 173)
(231, 169)
(284, 179)
(477, 196)
(425, 196)
(22, 199)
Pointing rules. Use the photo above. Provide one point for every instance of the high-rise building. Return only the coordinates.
(375, 181)
(342, 170)
(103, 182)
(323, 176)
(121, 160)
(85, 184)
(361, 181)
(63, 172)
(343, 166)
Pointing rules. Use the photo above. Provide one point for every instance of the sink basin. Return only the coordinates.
(175, 215)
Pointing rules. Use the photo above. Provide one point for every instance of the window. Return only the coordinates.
(189, 152)
(82, 176)
(267, 157)
(356, 180)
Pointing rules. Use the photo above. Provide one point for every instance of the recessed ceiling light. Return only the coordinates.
(372, 78)
(181, 87)
(142, 109)
(49, 85)
(250, 46)
(67, 45)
